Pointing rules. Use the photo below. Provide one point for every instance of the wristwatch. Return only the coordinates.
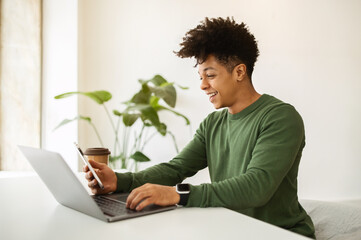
(183, 189)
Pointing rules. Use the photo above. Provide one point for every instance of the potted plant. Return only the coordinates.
(142, 107)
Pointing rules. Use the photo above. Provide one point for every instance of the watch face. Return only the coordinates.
(183, 187)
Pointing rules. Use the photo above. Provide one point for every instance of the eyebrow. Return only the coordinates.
(208, 68)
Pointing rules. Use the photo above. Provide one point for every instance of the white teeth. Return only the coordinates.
(212, 94)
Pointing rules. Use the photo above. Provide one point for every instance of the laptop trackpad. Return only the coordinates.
(119, 197)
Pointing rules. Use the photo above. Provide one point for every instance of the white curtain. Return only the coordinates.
(20, 80)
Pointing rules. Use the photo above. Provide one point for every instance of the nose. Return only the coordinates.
(204, 84)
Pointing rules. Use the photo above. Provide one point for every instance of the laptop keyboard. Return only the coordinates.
(112, 207)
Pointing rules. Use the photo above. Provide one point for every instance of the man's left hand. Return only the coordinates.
(152, 194)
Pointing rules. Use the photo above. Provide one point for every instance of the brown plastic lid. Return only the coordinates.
(96, 151)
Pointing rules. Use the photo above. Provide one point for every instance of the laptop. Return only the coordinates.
(68, 190)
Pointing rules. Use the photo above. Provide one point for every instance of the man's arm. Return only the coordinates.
(187, 163)
(153, 183)
(152, 186)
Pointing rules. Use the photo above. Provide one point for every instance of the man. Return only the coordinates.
(252, 147)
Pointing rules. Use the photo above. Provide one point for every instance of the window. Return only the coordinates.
(20, 80)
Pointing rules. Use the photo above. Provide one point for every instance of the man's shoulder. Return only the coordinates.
(275, 105)
(272, 101)
(281, 112)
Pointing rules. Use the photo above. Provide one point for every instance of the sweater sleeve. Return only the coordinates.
(187, 163)
(279, 142)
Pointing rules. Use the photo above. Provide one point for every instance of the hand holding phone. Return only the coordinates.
(85, 160)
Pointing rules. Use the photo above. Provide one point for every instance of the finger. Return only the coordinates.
(95, 164)
(93, 183)
(95, 191)
(97, 171)
(137, 199)
(144, 203)
(89, 176)
(85, 168)
(135, 192)
(130, 198)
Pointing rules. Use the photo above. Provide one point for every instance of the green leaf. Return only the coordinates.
(139, 157)
(151, 114)
(117, 113)
(154, 102)
(143, 81)
(129, 119)
(88, 119)
(167, 93)
(66, 121)
(162, 129)
(142, 96)
(147, 112)
(114, 158)
(65, 95)
(98, 96)
(158, 80)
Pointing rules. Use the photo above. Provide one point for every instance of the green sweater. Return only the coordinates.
(252, 157)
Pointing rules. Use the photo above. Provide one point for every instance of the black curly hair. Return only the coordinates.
(229, 42)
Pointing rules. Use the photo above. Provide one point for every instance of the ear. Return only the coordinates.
(240, 72)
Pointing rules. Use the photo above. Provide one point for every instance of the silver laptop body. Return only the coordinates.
(68, 191)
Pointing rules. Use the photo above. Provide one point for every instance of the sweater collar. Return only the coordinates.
(250, 108)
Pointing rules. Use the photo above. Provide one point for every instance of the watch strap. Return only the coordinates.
(183, 194)
(183, 199)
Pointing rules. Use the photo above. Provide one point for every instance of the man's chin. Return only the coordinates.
(217, 106)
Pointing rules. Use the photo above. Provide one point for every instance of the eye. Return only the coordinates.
(208, 76)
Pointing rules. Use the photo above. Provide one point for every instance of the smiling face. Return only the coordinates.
(223, 88)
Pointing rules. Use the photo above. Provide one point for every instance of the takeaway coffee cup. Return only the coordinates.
(100, 155)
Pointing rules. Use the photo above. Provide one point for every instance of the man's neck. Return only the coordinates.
(246, 98)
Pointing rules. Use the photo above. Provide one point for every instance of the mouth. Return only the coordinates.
(212, 96)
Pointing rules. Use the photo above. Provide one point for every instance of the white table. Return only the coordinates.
(29, 211)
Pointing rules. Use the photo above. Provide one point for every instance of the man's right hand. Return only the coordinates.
(105, 174)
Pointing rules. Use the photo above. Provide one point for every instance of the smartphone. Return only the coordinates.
(85, 160)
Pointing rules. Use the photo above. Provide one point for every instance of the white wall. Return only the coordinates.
(310, 56)
(60, 74)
